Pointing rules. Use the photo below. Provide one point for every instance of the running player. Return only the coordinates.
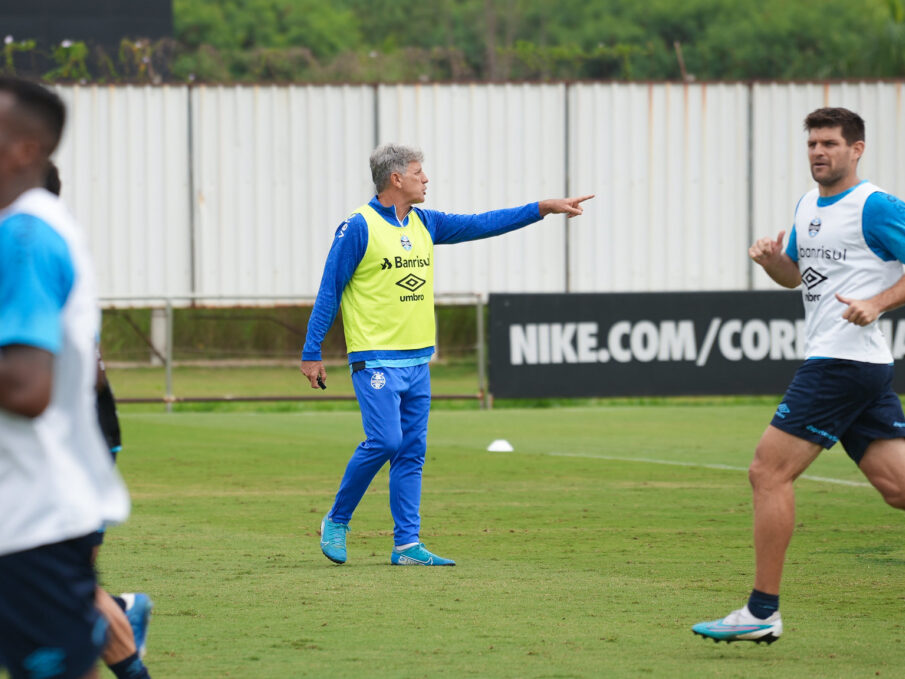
(57, 483)
(846, 247)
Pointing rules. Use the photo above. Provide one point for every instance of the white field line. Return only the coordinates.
(723, 467)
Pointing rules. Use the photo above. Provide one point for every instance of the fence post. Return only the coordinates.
(169, 356)
(482, 376)
(158, 336)
(749, 263)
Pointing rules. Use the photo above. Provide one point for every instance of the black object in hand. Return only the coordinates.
(320, 382)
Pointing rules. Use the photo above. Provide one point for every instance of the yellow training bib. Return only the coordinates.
(389, 302)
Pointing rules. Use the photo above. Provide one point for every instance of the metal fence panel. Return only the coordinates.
(276, 170)
(488, 147)
(236, 191)
(125, 169)
(668, 165)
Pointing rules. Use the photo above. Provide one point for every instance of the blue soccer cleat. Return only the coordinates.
(741, 625)
(419, 556)
(138, 611)
(333, 540)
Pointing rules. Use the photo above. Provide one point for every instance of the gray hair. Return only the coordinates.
(389, 158)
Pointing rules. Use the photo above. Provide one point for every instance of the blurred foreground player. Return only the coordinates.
(129, 614)
(380, 269)
(847, 247)
(58, 485)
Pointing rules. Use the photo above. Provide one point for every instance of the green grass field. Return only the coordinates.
(257, 381)
(588, 552)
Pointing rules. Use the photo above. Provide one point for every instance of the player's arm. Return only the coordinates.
(36, 275)
(26, 379)
(866, 311)
(451, 228)
(883, 226)
(107, 416)
(349, 245)
(779, 265)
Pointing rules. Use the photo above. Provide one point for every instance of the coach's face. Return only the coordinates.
(414, 183)
(831, 157)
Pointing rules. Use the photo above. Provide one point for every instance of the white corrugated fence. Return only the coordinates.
(230, 192)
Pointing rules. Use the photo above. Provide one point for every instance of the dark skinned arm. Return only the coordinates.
(26, 379)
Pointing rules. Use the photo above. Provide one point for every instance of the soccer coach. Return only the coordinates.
(380, 270)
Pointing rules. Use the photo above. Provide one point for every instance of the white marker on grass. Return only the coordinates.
(500, 446)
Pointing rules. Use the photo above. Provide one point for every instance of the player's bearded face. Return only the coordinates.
(830, 155)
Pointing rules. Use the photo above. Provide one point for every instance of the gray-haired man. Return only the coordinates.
(380, 270)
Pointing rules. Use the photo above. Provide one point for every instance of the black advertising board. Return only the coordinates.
(652, 344)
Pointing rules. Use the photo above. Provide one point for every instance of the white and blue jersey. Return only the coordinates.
(349, 246)
(852, 244)
(57, 480)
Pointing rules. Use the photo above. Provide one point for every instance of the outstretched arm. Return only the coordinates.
(451, 228)
(778, 265)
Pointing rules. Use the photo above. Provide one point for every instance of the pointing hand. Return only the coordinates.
(569, 206)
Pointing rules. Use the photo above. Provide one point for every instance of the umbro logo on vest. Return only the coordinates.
(411, 282)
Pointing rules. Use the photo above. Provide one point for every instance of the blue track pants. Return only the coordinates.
(395, 404)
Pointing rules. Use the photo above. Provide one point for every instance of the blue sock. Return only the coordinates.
(130, 668)
(762, 605)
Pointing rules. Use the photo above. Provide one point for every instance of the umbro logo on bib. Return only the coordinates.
(812, 278)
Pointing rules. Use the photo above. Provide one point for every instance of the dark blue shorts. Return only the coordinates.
(49, 627)
(833, 400)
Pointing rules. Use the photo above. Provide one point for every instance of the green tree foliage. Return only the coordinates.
(325, 29)
(888, 51)
(538, 40)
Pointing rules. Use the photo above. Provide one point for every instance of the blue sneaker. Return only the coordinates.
(741, 625)
(333, 540)
(138, 611)
(418, 556)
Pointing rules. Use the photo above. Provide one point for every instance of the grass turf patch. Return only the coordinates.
(589, 551)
